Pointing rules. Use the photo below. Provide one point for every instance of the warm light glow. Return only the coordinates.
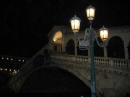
(14, 72)
(10, 70)
(104, 33)
(19, 60)
(5, 69)
(7, 58)
(1, 69)
(54, 39)
(57, 37)
(75, 23)
(2, 58)
(90, 11)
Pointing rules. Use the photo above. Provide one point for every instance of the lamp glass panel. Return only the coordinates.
(90, 13)
(75, 25)
(104, 34)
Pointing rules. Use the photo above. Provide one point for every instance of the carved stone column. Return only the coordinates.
(105, 52)
(126, 49)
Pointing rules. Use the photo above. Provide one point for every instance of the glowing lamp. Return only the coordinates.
(104, 33)
(90, 12)
(75, 23)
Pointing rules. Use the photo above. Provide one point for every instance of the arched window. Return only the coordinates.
(70, 47)
(115, 48)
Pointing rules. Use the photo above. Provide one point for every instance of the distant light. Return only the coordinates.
(14, 71)
(19, 60)
(23, 60)
(11, 59)
(5, 69)
(10, 70)
(1, 69)
(7, 58)
(2, 58)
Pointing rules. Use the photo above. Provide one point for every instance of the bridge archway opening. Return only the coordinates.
(115, 48)
(57, 42)
(98, 51)
(54, 81)
(70, 47)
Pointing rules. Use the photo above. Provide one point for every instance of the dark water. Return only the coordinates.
(55, 82)
(48, 82)
(51, 95)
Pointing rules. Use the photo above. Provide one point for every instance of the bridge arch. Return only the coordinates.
(115, 47)
(70, 47)
(56, 41)
(98, 51)
(54, 79)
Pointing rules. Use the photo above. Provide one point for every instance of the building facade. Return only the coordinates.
(61, 40)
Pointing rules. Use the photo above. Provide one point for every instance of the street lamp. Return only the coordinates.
(104, 33)
(91, 36)
(90, 12)
(75, 25)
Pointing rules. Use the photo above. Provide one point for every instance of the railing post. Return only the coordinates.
(111, 62)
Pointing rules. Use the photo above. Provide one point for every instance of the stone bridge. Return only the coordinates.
(112, 67)
(112, 74)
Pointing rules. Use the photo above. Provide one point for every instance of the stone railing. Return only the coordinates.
(112, 62)
(100, 62)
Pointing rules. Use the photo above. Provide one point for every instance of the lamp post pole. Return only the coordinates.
(75, 44)
(93, 84)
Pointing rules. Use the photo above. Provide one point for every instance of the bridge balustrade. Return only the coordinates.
(102, 62)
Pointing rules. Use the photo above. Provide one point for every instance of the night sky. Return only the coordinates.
(24, 24)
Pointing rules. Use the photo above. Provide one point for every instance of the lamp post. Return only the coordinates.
(91, 36)
(75, 24)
